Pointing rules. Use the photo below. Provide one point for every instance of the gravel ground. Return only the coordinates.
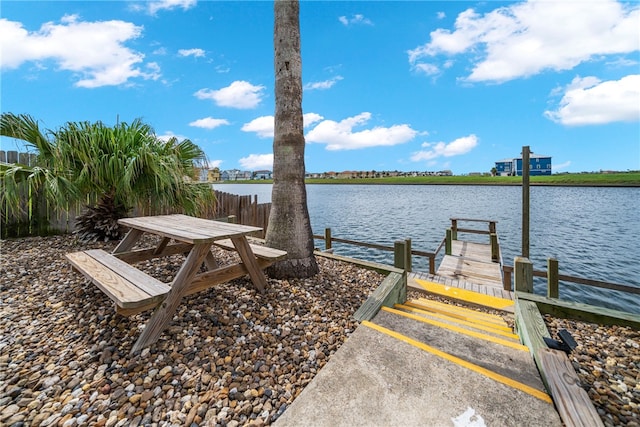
(230, 357)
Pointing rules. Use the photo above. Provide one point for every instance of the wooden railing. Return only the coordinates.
(402, 250)
(525, 273)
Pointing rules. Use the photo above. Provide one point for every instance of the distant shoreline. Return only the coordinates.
(625, 179)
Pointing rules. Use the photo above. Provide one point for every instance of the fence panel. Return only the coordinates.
(38, 217)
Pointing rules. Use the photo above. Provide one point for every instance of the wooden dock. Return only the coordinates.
(468, 266)
(471, 262)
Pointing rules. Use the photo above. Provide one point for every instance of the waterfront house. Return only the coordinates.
(538, 165)
(263, 174)
(213, 175)
(235, 175)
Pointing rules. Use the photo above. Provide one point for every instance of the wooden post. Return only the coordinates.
(447, 244)
(432, 265)
(408, 260)
(552, 278)
(327, 239)
(454, 229)
(524, 274)
(492, 226)
(525, 201)
(495, 250)
(400, 254)
(506, 280)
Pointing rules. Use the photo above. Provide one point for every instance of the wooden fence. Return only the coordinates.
(38, 217)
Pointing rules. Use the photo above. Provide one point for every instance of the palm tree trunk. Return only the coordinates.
(289, 225)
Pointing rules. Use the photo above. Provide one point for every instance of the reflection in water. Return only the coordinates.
(593, 232)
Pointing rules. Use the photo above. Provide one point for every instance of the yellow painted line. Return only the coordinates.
(473, 324)
(496, 340)
(479, 369)
(465, 295)
(469, 311)
(460, 312)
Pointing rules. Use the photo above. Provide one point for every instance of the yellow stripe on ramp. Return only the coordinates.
(459, 312)
(465, 295)
(475, 324)
(459, 330)
(479, 369)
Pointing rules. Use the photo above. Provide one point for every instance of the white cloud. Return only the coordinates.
(214, 164)
(257, 161)
(354, 20)
(527, 38)
(94, 51)
(588, 101)
(310, 118)
(441, 15)
(264, 126)
(324, 84)
(191, 52)
(239, 94)
(341, 136)
(154, 7)
(168, 135)
(428, 69)
(209, 123)
(561, 166)
(441, 149)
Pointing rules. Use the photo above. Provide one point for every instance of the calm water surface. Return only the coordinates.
(593, 232)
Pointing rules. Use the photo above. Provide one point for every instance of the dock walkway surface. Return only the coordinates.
(432, 363)
(471, 262)
(427, 363)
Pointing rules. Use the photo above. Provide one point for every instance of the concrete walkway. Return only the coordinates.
(426, 365)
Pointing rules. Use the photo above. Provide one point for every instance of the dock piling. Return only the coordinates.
(524, 274)
(552, 278)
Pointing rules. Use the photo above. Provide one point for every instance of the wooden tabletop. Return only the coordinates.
(187, 229)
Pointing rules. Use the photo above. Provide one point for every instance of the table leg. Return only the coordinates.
(210, 262)
(251, 263)
(129, 240)
(163, 244)
(163, 314)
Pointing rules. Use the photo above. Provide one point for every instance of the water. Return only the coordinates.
(594, 232)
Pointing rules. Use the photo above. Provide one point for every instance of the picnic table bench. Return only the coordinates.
(134, 291)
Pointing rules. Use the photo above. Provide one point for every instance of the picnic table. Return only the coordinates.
(134, 291)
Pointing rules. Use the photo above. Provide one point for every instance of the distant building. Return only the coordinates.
(538, 165)
(235, 175)
(213, 175)
(263, 174)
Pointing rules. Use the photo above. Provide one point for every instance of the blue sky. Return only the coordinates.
(423, 85)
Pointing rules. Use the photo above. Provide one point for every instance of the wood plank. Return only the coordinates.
(477, 251)
(164, 312)
(187, 228)
(116, 279)
(471, 271)
(220, 275)
(571, 401)
(530, 325)
(141, 280)
(249, 260)
(580, 311)
(147, 254)
(392, 290)
(168, 227)
(258, 250)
